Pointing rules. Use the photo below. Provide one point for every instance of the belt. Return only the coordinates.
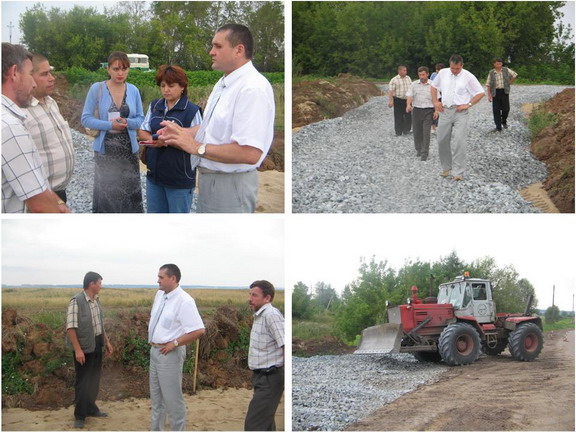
(268, 371)
(157, 345)
(424, 108)
(209, 171)
(448, 107)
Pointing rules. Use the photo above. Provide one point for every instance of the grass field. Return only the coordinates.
(48, 305)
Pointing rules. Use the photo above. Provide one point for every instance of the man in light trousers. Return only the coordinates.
(174, 323)
(460, 91)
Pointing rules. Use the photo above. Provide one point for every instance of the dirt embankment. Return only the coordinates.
(313, 101)
(554, 146)
(71, 110)
(494, 393)
(47, 365)
(328, 345)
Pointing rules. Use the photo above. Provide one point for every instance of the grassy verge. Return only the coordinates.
(317, 329)
(539, 120)
(565, 323)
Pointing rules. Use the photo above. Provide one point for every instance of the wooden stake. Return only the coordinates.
(196, 354)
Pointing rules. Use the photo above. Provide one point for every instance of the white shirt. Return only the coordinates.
(266, 339)
(179, 316)
(456, 89)
(243, 113)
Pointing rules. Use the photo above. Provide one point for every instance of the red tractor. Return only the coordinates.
(455, 327)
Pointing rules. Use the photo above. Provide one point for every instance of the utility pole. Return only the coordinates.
(10, 27)
(553, 293)
(572, 308)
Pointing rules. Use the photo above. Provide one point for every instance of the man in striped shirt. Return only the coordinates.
(399, 86)
(48, 129)
(265, 358)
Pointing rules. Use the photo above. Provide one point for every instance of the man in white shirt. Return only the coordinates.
(460, 91)
(174, 323)
(24, 185)
(49, 130)
(237, 129)
(265, 358)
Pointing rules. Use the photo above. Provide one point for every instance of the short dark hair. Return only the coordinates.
(456, 59)
(266, 287)
(172, 75)
(423, 69)
(439, 66)
(36, 60)
(172, 270)
(239, 34)
(13, 55)
(402, 67)
(499, 60)
(91, 277)
(120, 56)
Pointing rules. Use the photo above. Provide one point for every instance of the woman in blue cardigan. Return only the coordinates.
(117, 186)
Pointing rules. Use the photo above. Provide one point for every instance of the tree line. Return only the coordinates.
(362, 303)
(371, 39)
(171, 32)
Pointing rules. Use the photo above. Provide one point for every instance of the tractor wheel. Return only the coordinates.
(459, 344)
(427, 356)
(494, 351)
(526, 342)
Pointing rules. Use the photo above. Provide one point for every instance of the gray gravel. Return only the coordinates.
(330, 392)
(356, 164)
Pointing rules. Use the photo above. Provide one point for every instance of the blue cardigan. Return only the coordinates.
(135, 118)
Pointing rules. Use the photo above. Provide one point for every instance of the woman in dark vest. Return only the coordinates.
(171, 176)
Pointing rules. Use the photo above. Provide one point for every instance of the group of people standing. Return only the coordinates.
(226, 145)
(174, 323)
(444, 100)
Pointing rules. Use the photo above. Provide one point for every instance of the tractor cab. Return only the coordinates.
(469, 297)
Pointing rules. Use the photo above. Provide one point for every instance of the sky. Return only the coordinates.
(11, 11)
(213, 250)
(328, 248)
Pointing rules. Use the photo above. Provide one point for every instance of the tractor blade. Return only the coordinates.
(380, 339)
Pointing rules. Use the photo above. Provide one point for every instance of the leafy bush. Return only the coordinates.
(552, 315)
(540, 120)
(136, 352)
(12, 380)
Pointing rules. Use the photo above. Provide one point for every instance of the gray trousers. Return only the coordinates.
(227, 193)
(421, 124)
(452, 134)
(166, 389)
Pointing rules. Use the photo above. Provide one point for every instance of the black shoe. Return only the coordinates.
(424, 158)
(99, 414)
(505, 126)
(79, 423)
(496, 130)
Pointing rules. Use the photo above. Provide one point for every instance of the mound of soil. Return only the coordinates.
(71, 110)
(313, 101)
(328, 345)
(48, 365)
(554, 146)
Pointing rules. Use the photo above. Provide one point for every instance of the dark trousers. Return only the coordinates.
(402, 119)
(500, 107)
(268, 389)
(62, 195)
(88, 382)
(422, 122)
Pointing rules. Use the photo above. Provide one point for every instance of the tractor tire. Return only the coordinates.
(459, 344)
(526, 342)
(427, 356)
(497, 350)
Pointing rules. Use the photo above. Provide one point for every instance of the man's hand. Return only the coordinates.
(463, 107)
(80, 358)
(408, 108)
(438, 106)
(109, 349)
(391, 103)
(435, 115)
(179, 137)
(167, 348)
(489, 97)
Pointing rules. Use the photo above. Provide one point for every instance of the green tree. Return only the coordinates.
(301, 301)
(552, 315)
(325, 297)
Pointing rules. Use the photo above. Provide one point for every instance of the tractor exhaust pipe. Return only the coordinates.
(528, 305)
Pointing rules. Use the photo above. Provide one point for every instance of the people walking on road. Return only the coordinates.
(460, 91)
(419, 102)
(398, 88)
(498, 85)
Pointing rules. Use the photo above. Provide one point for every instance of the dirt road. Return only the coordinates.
(495, 393)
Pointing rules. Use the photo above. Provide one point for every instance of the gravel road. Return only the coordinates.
(356, 164)
(330, 392)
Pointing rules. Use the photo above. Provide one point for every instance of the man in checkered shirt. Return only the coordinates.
(399, 86)
(24, 185)
(265, 358)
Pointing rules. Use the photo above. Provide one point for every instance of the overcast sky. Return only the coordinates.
(328, 248)
(11, 11)
(210, 250)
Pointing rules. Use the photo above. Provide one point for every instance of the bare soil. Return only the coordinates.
(328, 345)
(495, 393)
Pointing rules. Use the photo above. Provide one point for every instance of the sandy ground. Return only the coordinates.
(222, 410)
(495, 393)
(537, 195)
(270, 192)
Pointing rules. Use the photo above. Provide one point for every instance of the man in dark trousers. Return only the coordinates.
(498, 85)
(399, 86)
(265, 358)
(85, 334)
